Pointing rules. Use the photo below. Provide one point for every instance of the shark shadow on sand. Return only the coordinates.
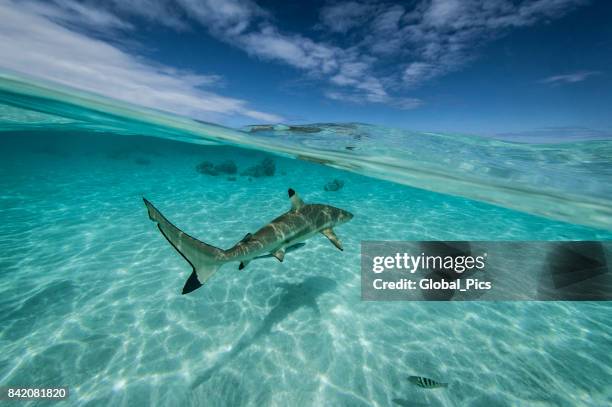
(292, 298)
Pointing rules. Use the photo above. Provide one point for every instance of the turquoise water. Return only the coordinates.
(90, 291)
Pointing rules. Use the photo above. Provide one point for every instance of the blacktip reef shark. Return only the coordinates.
(283, 234)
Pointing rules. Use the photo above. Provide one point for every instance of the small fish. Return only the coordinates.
(426, 383)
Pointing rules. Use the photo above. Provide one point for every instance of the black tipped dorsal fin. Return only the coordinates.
(246, 237)
(329, 233)
(296, 201)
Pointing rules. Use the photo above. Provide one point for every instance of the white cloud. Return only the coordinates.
(443, 12)
(416, 72)
(343, 96)
(371, 52)
(436, 37)
(79, 14)
(247, 26)
(32, 43)
(403, 103)
(225, 18)
(162, 12)
(297, 51)
(342, 17)
(392, 45)
(388, 19)
(570, 78)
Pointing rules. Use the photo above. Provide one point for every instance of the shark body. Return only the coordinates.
(284, 233)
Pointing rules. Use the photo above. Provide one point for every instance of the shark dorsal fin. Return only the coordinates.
(279, 254)
(329, 233)
(296, 201)
(246, 237)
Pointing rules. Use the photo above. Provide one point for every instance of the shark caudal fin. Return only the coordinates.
(204, 258)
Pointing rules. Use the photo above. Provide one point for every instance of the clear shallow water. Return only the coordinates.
(90, 291)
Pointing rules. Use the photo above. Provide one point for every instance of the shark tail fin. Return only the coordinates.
(204, 258)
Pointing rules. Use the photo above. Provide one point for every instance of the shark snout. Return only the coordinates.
(344, 216)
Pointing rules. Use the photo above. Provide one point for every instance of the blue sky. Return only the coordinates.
(485, 67)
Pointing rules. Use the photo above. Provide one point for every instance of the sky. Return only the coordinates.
(465, 66)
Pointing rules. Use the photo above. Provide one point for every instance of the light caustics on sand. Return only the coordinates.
(566, 181)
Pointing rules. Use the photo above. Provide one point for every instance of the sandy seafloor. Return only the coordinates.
(90, 291)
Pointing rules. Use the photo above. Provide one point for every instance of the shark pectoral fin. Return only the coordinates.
(243, 264)
(329, 233)
(279, 254)
(287, 250)
(296, 201)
